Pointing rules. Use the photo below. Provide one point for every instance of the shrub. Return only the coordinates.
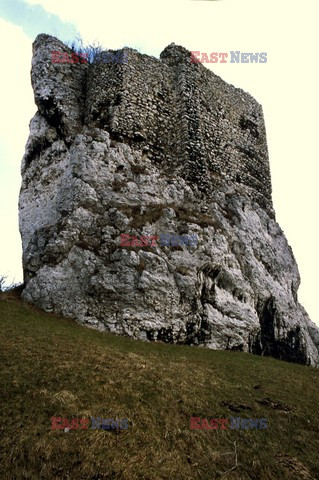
(8, 287)
(92, 51)
(2, 283)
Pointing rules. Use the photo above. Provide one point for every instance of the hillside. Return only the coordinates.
(53, 367)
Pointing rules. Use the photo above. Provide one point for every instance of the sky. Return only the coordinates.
(285, 86)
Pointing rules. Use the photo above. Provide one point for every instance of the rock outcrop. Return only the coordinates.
(150, 147)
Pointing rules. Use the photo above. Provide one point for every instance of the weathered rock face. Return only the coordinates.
(146, 148)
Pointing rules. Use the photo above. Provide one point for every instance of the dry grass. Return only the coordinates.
(53, 367)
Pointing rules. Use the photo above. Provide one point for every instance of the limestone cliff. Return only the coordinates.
(148, 147)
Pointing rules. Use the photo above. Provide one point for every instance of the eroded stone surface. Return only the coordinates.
(149, 147)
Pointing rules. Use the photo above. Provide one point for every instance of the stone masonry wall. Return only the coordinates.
(190, 120)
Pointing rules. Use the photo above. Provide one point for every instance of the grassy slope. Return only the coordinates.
(53, 367)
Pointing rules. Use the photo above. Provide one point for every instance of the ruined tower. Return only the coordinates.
(148, 147)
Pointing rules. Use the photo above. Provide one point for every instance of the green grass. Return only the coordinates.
(53, 367)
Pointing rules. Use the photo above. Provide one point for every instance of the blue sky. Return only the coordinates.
(34, 19)
(286, 86)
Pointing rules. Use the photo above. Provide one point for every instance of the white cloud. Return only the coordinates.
(16, 94)
(17, 108)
